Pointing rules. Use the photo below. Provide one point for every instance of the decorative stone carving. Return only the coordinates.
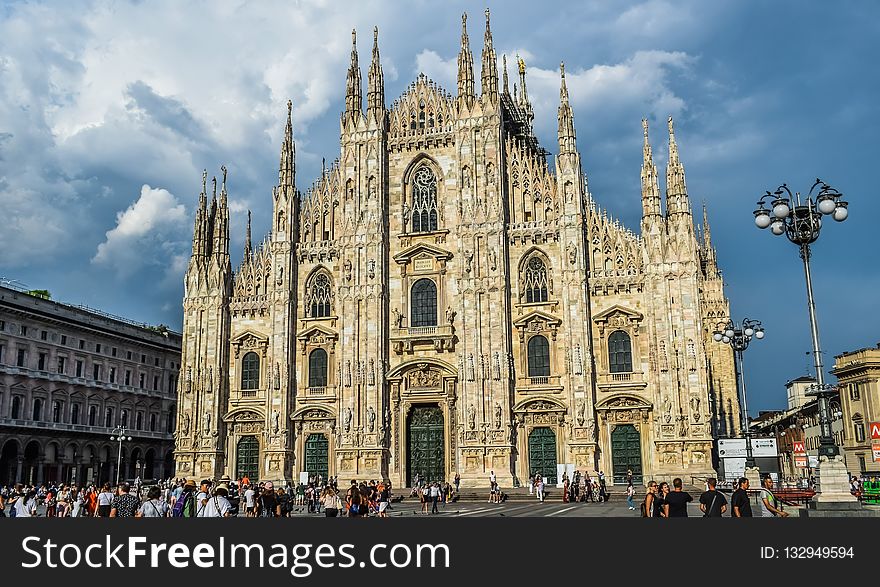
(186, 423)
(498, 416)
(371, 419)
(496, 366)
(347, 269)
(572, 253)
(371, 374)
(275, 421)
(398, 317)
(472, 417)
(450, 314)
(371, 268)
(207, 427)
(493, 259)
(425, 377)
(346, 419)
(468, 260)
(581, 409)
(667, 409)
(277, 377)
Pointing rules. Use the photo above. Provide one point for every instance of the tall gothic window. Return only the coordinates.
(74, 414)
(318, 368)
(539, 357)
(424, 200)
(38, 410)
(93, 416)
(424, 304)
(620, 352)
(535, 280)
(250, 371)
(319, 296)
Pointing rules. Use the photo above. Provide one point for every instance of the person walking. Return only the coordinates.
(154, 507)
(329, 499)
(770, 506)
(630, 493)
(649, 506)
(739, 502)
(435, 497)
(712, 502)
(124, 505)
(677, 500)
(218, 505)
(540, 489)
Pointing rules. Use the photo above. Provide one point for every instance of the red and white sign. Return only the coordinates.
(800, 461)
(798, 448)
(875, 430)
(875, 448)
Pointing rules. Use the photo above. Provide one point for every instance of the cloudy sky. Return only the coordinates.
(110, 110)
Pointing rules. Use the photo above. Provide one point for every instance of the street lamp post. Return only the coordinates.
(738, 336)
(800, 221)
(120, 437)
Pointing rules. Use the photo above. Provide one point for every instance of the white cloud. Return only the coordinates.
(151, 231)
(443, 71)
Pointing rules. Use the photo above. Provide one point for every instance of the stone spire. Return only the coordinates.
(710, 257)
(676, 191)
(287, 161)
(504, 68)
(650, 187)
(353, 98)
(566, 134)
(247, 240)
(221, 221)
(489, 72)
(524, 95)
(375, 83)
(465, 67)
(199, 248)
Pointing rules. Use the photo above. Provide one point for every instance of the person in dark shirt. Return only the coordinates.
(677, 500)
(124, 505)
(712, 502)
(739, 501)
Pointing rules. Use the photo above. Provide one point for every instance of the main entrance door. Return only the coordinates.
(424, 440)
(316, 455)
(542, 454)
(247, 458)
(626, 453)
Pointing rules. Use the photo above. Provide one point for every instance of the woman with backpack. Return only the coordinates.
(105, 498)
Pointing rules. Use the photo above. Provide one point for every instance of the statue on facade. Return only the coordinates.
(450, 314)
(276, 417)
(346, 419)
(572, 253)
(472, 417)
(497, 416)
(210, 379)
(667, 409)
(347, 267)
(371, 419)
(591, 429)
(207, 421)
(468, 260)
(398, 317)
(581, 410)
(186, 423)
(493, 259)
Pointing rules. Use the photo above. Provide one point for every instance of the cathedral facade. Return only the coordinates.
(444, 299)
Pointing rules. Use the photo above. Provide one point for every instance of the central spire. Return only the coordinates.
(676, 190)
(375, 83)
(650, 187)
(566, 133)
(489, 86)
(353, 99)
(465, 67)
(287, 161)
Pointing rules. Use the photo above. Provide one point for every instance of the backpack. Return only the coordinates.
(183, 507)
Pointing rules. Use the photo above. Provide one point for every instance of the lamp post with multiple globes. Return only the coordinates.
(738, 336)
(120, 437)
(800, 220)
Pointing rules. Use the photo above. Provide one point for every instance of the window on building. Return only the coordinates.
(108, 418)
(93, 416)
(123, 418)
(112, 374)
(96, 372)
(535, 280)
(22, 358)
(113, 352)
(424, 200)
(862, 467)
(539, 357)
(2, 348)
(2, 325)
(320, 294)
(139, 421)
(79, 368)
(56, 411)
(859, 430)
(854, 391)
(38, 410)
(128, 355)
(63, 339)
(424, 304)
(141, 380)
(44, 335)
(250, 371)
(74, 414)
(62, 363)
(22, 330)
(619, 352)
(98, 347)
(15, 412)
(82, 344)
(152, 422)
(318, 368)
(41, 362)
(155, 383)
(127, 377)
(169, 422)
(156, 362)
(143, 358)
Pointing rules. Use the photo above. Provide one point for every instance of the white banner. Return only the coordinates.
(736, 447)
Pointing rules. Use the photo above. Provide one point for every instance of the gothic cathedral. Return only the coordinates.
(444, 300)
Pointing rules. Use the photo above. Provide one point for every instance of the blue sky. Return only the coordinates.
(109, 111)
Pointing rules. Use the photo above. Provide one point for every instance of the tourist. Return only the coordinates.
(124, 505)
(269, 507)
(540, 488)
(155, 506)
(104, 501)
(250, 504)
(565, 485)
(603, 490)
(630, 493)
(435, 497)
(217, 505)
(384, 498)
(677, 500)
(457, 482)
(770, 506)
(740, 502)
(331, 502)
(650, 507)
(26, 504)
(712, 502)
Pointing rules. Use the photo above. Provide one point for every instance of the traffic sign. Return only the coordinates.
(798, 447)
(875, 430)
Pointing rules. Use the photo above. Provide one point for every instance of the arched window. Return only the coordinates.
(539, 357)
(108, 418)
(318, 368)
(424, 200)
(424, 304)
(535, 280)
(123, 418)
(74, 414)
(56, 411)
(859, 430)
(152, 422)
(93, 416)
(16, 407)
(620, 352)
(38, 410)
(319, 296)
(250, 371)
(139, 421)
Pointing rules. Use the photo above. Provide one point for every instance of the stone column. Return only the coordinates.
(18, 465)
(40, 464)
(111, 475)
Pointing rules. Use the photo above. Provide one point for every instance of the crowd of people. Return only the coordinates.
(661, 501)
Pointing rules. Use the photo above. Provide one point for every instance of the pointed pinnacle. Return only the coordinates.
(223, 170)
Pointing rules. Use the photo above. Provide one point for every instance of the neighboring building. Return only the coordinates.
(796, 391)
(858, 375)
(68, 376)
(443, 300)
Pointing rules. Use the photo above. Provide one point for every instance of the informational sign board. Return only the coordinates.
(875, 448)
(304, 477)
(736, 447)
(875, 430)
(800, 461)
(798, 448)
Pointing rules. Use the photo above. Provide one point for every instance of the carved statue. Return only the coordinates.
(683, 427)
(496, 367)
(186, 423)
(371, 268)
(493, 259)
(695, 405)
(398, 317)
(667, 410)
(371, 374)
(371, 419)
(572, 253)
(497, 416)
(346, 419)
(472, 417)
(210, 378)
(207, 421)
(450, 314)
(279, 276)
(468, 260)
(591, 429)
(405, 214)
(581, 409)
(347, 268)
(276, 417)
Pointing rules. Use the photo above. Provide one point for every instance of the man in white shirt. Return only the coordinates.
(249, 502)
(25, 506)
(202, 496)
(217, 506)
